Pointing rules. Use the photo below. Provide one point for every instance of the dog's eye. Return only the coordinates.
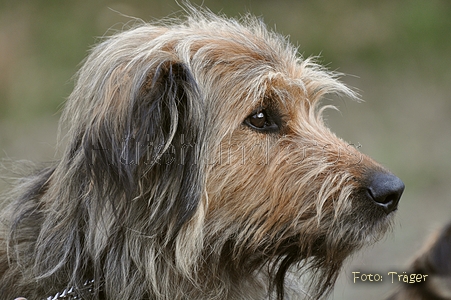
(261, 120)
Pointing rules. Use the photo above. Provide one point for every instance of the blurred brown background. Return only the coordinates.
(396, 53)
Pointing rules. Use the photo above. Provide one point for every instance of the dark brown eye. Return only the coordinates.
(261, 120)
(258, 120)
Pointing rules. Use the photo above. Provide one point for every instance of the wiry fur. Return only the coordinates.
(164, 193)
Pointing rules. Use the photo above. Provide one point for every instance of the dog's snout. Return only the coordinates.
(385, 189)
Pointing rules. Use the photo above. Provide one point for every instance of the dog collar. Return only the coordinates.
(70, 294)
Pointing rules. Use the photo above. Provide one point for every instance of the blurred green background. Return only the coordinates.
(396, 53)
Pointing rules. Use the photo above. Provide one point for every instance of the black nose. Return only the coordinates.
(385, 189)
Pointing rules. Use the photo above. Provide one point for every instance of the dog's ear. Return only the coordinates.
(168, 121)
(154, 159)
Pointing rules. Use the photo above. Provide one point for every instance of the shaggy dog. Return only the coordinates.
(197, 166)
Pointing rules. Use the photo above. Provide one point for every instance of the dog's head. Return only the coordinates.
(207, 136)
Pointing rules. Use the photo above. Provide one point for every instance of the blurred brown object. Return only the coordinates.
(433, 260)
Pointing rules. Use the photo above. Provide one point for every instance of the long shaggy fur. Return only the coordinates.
(164, 192)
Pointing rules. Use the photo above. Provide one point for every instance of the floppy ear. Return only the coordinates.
(169, 120)
(154, 158)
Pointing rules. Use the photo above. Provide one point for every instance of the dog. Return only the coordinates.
(197, 166)
(434, 263)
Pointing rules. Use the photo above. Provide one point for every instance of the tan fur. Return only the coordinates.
(204, 206)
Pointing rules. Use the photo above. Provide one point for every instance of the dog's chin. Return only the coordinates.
(364, 228)
(379, 227)
(372, 227)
